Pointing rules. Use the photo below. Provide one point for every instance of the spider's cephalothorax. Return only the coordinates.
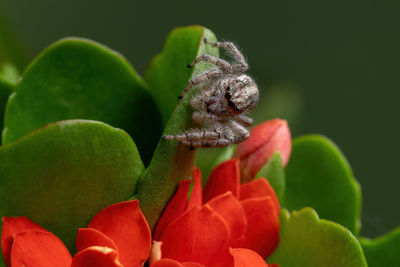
(225, 95)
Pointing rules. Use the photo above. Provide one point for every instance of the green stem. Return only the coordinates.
(171, 162)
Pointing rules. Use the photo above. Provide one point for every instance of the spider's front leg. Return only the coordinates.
(195, 137)
(208, 75)
(199, 100)
(244, 120)
(199, 117)
(216, 136)
(239, 132)
(241, 65)
(220, 63)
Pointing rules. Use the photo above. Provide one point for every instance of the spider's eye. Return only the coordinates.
(237, 109)
(228, 96)
(228, 88)
(231, 104)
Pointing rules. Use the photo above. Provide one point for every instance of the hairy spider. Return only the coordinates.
(225, 95)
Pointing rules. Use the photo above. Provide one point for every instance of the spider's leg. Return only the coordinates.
(221, 134)
(198, 101)
(239, 131)
(199, 117)
(226, 137)
(244, 120)
(221, 142)
(220, 63)
(241, 65)
(194, 135)
(208, 75)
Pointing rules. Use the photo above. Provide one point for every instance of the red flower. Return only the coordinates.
(226, 215)
(117, 236)
(265, 139)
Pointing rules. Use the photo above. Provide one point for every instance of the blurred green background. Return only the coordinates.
(329, 67)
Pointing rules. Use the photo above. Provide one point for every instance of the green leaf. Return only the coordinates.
(384, 250)
(80, 79)
(275, 174)
(168, 73)
(319, 176)
(306, 240)
(6, 88)
(61, 175)
(173, 162)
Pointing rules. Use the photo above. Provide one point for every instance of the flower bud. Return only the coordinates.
(265, 139)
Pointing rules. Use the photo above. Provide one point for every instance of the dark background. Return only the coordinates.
(329, 67)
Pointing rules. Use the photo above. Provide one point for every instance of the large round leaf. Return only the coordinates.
(61, 175)
(172, 162)
(319, 176)
(305, 240)
(384, 250)
(80, 79)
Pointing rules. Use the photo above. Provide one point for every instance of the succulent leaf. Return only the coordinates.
(384, 250)
(319, 176)
(79, 79)
(61, 175)
(306, 240)
(171, 161)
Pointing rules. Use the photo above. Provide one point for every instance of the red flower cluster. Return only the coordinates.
(117, 236)
(226, 224)
(226, 215)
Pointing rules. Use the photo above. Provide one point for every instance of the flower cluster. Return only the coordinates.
(225, 224)
(226, 215)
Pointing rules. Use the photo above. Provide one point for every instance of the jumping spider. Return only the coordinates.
(226, 94)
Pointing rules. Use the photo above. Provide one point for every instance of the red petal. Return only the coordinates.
(259, 188)
(12, 226)
(231, 210)
(172, 263)
(89, 237)
(196, 195)
(192, 264)
(225, 177)
(223, 260)
(246, 258)
(174, 209)
(35, 248)
(259, 135)
(264, 140)
(199, 235)
(125, 224)
(262, 234)
(167, 263)
(97, 256)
